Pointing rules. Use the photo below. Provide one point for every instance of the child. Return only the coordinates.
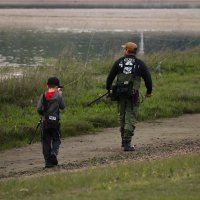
(48, 107)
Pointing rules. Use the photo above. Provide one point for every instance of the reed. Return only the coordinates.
(175, 92)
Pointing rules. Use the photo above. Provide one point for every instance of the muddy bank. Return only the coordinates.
(86, 20)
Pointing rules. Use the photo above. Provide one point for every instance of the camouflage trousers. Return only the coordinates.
(128, 111)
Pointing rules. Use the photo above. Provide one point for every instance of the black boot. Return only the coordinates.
(53, 159)
(48, 163)
(123, 143)
(128, 146)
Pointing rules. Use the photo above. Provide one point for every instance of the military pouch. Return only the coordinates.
(50, 122)
(122, 90)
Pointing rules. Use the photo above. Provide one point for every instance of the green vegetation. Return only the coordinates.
(176, 178)
(175, 92)
(100, 4)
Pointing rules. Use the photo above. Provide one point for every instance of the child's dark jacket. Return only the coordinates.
(54, 101)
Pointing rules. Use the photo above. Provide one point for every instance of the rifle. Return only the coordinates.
(38, 124)
(95, 100)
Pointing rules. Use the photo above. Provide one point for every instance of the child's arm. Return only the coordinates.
(61, 102)
(40, 105)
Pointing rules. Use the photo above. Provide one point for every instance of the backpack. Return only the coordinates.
(50, 120)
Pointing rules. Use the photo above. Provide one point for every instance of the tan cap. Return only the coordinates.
(130, 46)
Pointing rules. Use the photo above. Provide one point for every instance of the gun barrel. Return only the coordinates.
(34, 135)
(97, 99)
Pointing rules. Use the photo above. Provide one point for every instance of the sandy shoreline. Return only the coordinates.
(187, 20)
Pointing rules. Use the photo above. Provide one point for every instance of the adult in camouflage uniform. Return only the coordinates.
(129, 70)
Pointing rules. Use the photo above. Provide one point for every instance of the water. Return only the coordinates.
(30, 47)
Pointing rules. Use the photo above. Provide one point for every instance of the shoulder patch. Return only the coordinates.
(129, 61)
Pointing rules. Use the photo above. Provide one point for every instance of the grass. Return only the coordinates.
(176, 178)
(176, 92)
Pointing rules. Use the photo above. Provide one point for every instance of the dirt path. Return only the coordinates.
(152, 137)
